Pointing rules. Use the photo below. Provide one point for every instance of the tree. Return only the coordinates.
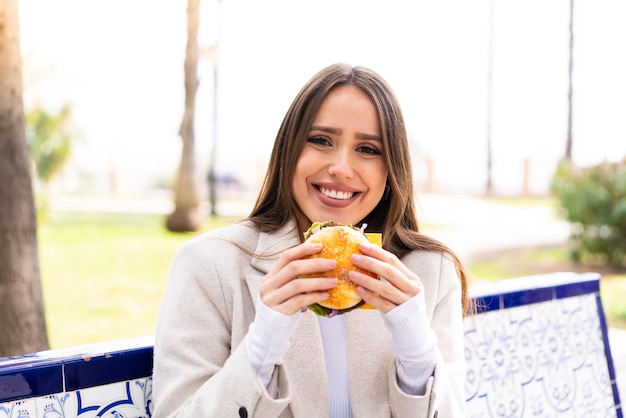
(570, 90)
(22, 318)
(186, 215)
(489, 183)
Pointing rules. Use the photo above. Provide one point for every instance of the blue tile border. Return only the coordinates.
(64, 370)
(28, 380)
(532, 289)
(582, 287)
(526, 297)
(129, 364)
(609, 357)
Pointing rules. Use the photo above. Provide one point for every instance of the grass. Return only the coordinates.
(516, 263)
(613, 292)
(103, 275)
(509, 264)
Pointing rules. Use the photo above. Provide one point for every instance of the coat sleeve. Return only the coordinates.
(444, 395)
(196, 370)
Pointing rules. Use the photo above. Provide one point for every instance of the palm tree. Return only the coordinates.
(570, 140)
(489, 183)
(22, 318)
(186, 215)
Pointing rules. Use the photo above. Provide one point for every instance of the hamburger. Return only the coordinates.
(339, 242)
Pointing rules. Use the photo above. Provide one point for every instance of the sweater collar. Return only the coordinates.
(271, 244)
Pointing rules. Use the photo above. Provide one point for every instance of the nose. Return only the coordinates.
(341, 165)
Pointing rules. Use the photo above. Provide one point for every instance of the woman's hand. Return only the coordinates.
(283, 290)
(399, 285)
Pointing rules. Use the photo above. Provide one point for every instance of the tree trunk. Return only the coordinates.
(186, 215)
(569, 142)
(22, 318)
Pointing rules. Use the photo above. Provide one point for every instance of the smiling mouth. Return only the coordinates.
(335, 194)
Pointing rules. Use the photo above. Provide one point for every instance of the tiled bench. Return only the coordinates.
(537, 348)
(111, 379)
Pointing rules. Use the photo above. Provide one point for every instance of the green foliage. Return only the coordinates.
(49, 141)
(594, 201)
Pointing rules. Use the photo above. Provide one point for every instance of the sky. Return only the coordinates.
(119, 63)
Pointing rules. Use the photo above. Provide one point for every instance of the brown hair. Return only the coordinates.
(395, 215)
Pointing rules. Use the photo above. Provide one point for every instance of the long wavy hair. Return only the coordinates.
(395, 215)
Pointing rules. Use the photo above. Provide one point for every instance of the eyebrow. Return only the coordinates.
(335, 131)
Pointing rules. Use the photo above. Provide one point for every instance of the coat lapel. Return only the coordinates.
(304, 362)
(268, 248)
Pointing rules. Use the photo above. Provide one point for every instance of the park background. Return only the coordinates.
(464, 71)
(119, 65)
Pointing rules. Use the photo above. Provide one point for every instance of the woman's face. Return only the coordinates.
(341, 174)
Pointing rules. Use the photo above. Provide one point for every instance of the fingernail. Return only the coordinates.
(366, 246)
(330, 262)
(357, 257)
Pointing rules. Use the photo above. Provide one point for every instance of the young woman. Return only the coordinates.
(232, 337)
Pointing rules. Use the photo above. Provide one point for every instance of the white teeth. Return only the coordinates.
(336, 194)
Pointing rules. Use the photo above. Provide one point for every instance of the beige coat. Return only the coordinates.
(200, 363)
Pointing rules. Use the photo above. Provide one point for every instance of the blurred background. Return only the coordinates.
(466, 74)
(492, 90)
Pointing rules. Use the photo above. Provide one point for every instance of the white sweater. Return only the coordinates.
(413, 343)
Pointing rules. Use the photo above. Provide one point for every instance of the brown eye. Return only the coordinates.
(319, 140)
(367, 149)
